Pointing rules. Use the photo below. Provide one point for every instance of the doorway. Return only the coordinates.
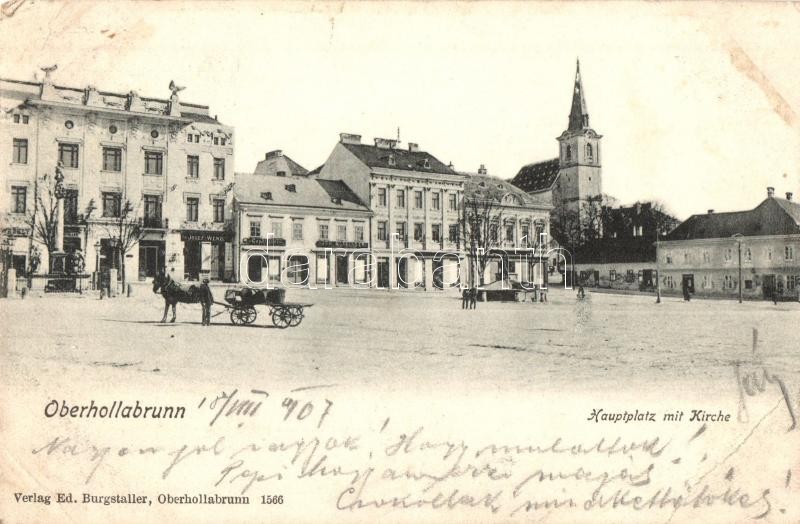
(342, 269)
(688, 283)
(192, 259)
(768, 288)
(383, 272)
(297, 269)
(402, 272)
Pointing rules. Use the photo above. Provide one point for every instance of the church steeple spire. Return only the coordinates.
(578, 115)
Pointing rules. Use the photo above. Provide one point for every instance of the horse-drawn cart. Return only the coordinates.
(242, 305)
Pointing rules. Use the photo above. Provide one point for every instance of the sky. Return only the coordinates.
(698, 104)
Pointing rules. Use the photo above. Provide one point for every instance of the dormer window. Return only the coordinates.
(291, 188)
(281, 173)
(336, 200)
(426, 164)
(392, 161)
(266, 195)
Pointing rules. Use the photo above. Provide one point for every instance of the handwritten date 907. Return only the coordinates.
(236, 404)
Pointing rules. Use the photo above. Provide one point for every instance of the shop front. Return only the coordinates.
(206, 254)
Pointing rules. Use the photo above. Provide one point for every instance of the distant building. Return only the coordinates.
(171, 159)
(523, 219)
(575, 176)
(299, 231)
(624, 255)
(703, 252)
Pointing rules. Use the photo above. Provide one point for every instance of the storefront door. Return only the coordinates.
(192, 260)
(342, 269)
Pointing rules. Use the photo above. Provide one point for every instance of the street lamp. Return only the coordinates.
(738, 238)
(97, 246)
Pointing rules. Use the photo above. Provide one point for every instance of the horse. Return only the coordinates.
(173, 293)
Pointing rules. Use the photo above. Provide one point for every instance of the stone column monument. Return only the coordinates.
(58, 257)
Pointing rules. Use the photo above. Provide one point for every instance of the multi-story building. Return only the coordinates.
(416, 201)
(518, 239)
(171, 160)
(708, 252)
(295, 230)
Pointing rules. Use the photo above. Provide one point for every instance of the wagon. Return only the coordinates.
(242, 302)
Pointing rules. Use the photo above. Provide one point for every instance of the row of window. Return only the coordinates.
(589, 153)
(728, 255)
(419, 231)
(112, 206)
(400, 199)
(195, 138)
(21, 119)
(68, 154)
(297, 231)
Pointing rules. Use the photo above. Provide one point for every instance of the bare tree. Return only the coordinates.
(126, 231)
(43, 221)
(480, 219)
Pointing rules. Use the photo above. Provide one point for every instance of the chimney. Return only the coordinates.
(482, 170)
(347, 138)
(770, 192)
(273, 154)
(385, 143)
(789, 196)
(710, 211)
(412, 147)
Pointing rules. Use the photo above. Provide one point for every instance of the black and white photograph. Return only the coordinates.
(404, 262)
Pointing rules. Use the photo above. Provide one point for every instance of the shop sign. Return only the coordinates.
(341, 244)
(16, 232)
(260, 241)
(204, 236)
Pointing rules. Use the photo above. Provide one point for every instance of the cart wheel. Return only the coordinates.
(296, 317)
(281, 317)
(243, 315)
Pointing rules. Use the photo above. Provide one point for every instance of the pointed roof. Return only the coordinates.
(539, 176)
(578, 115)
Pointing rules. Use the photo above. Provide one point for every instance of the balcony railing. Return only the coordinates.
(155, 223)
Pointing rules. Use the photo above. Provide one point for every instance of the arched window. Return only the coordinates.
(589, 152)
(568, 154)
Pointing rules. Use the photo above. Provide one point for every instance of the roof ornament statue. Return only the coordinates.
(47, 70)
(175, 88)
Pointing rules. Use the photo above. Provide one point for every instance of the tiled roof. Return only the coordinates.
(773, 216)
(497, 188)
(537, 177)
(374, 156)
(308, 192)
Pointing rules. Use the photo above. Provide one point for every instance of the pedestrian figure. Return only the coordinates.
(686, 295)
(543, 295)
(465, 302)
(206, 299)
(473, 298)
(581, 293)
(775, 297)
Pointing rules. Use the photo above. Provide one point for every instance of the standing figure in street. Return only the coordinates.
(473, 298)
(686, 296)
(465, 298)
(206, 299)
(581, 293)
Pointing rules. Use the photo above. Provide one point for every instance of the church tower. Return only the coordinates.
(580, 172)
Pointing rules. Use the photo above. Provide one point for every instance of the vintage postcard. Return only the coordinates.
(438, 262)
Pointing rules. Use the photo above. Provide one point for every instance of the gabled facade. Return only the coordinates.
(300, 231)
(704, 252)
